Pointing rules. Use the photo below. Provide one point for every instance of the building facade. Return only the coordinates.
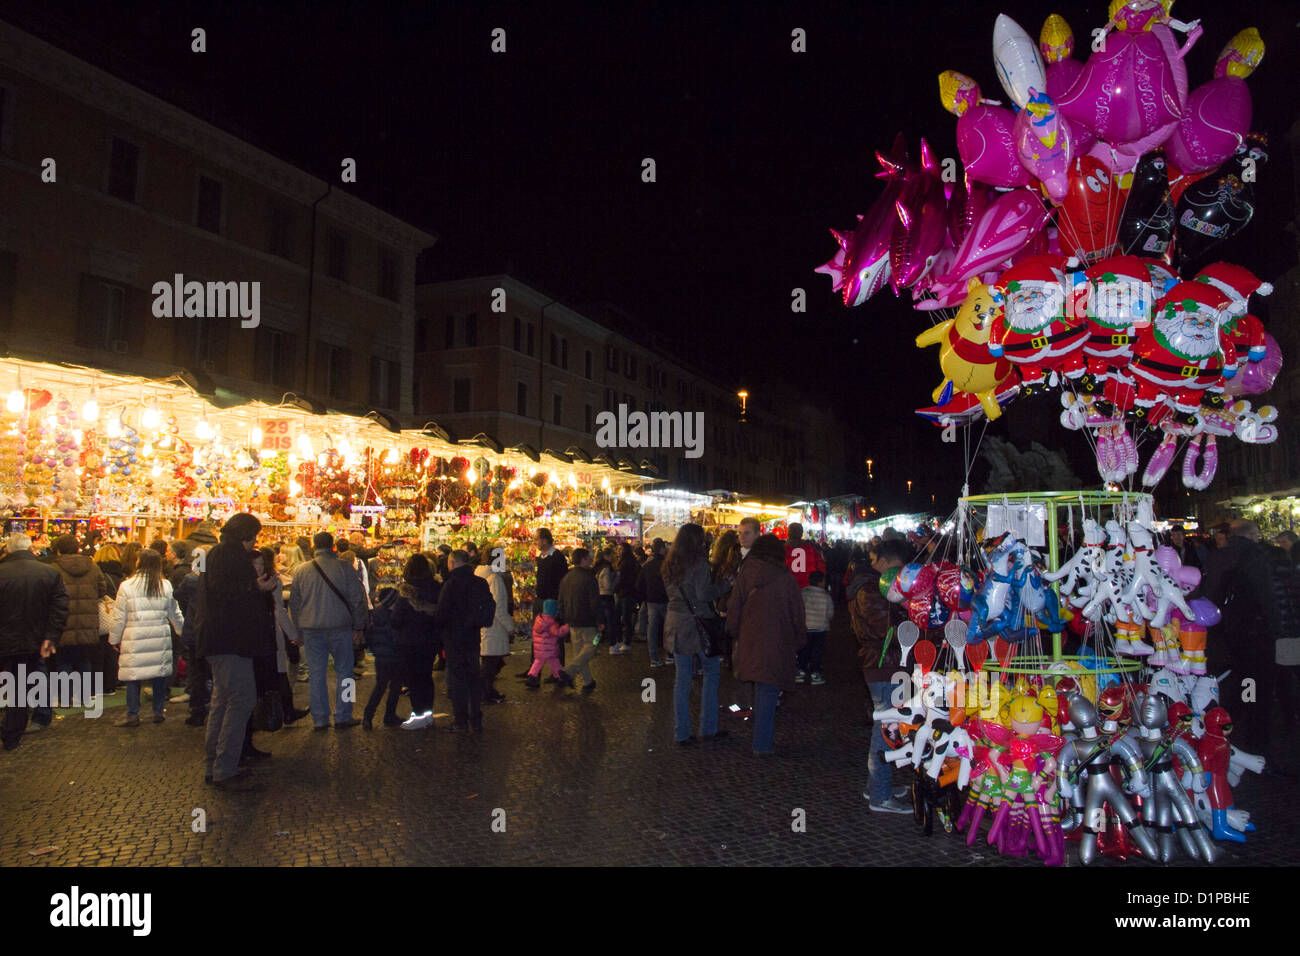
(497, 357)
(107, 190)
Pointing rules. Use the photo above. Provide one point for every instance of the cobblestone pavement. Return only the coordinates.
(581, 780)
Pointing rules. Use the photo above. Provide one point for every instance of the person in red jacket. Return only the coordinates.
(802, 557)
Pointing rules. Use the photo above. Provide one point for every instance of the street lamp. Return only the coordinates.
(909, 486)
(870, 475)
(743, 395)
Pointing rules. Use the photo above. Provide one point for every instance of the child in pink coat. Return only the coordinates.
(547, 634)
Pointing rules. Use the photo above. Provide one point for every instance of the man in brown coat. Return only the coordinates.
(86, 584)
(765, 617)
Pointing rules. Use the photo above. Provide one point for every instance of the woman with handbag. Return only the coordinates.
(693, 632)
(765, 616)
(144, 617)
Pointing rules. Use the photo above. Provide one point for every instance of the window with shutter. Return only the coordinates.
(521, 398)
(471, 330)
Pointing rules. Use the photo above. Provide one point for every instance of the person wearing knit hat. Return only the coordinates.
(1120, 298)
(1033, 331)
(1181, 353)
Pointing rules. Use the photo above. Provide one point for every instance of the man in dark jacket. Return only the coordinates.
(650, 584)
(231, 608)
(463, 593)
(1241, 583)
(33, 613)
(580, 609)
(551, 568)
(185, 586)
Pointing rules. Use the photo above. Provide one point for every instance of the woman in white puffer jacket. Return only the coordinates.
(143, 619)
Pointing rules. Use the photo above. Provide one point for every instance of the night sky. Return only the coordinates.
(531, 160)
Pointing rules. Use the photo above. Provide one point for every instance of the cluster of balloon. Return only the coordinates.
(1165, 359)
(1082, 164)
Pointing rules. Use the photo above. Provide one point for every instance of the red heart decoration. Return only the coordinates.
(1004, 651)
(977, 654)
(925, 652)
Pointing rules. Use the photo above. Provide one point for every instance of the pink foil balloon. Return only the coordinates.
(1217, 117)
(1044, 143)
(922, 223)
(1009, 224)
(1127, 91)
(860, 267)
(986, 144)
(1061, 76)
(1256, 378)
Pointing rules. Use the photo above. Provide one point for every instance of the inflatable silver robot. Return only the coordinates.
(1168, 809)
(1085, 762)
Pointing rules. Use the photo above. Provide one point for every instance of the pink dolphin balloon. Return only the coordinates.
(860, 267)
(922, 223)
(1008, 225)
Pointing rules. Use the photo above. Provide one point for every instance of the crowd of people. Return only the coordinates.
(243, 625)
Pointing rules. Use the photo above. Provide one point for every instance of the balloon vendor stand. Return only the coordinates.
(1052, 521)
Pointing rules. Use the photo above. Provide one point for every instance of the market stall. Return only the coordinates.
(725, 512)
(132, 458)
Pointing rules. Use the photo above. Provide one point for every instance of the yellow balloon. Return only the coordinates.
(1242, 54)
(957, 92)
(1056, 40)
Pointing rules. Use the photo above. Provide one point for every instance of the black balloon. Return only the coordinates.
(1219, 206)
(1147, 226)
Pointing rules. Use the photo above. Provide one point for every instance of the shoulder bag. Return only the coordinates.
(337, 593)
(713, 632)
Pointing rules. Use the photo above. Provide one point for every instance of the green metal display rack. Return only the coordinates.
(1055, 502)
